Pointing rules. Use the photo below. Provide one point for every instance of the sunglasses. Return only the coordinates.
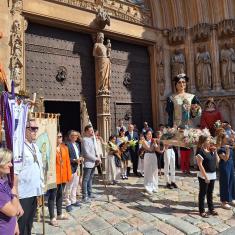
(32, 128)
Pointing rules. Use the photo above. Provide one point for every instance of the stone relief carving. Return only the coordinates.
(227, 60)
(177, 63)
(203, 69)
(176, 35)
(129, 11)
(226, 28)
(102, 18)
(101, 53)
(160, 64)
(16, 6)
(201, 31)
(16, 61)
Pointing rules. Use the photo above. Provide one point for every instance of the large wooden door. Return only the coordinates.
(60, 65)
(130, 84)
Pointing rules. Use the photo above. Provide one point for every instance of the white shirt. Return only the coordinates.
(76, 150)
(30, 173)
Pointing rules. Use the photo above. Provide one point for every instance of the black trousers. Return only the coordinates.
(25, 222)
(205, 190)
(58, 194)
(134, 159)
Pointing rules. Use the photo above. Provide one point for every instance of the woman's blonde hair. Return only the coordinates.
(201, 141)
(5, 156)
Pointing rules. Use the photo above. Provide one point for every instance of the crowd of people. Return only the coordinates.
(128, 151)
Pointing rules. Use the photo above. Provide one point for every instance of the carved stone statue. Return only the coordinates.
(227, 58)
(17, 73)
(177, 63)
(203, 69)
(102, 18)
(101, 53)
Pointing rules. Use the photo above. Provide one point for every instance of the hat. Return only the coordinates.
(180, 76)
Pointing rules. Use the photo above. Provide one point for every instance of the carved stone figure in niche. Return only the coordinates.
(227, 58)
(17, 48)
(203, 69)
(101, 53)
(160, 56)
(16, 73)
(177, 63)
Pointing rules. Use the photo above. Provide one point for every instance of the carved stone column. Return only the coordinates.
(215, 60)
(102, 53)
(17, 45)
(103, 115)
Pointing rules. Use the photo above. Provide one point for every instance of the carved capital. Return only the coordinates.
(176, 35)
(226, 28)
(201, 32)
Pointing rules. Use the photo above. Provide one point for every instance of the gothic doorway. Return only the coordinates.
(69, 114)
(60, 66)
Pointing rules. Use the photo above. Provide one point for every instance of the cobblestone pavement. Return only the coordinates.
(131, 211)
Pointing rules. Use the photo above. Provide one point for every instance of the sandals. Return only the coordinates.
(204, 215)
(213, 212)
(54, 222)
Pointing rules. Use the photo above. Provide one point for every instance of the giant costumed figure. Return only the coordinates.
(182, 107)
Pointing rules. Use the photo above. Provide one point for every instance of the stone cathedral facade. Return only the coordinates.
(47, 47)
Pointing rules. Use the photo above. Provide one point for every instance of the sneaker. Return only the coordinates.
(69, 208)
(149, 192)
(54, 222)
(173, 184)
(94, 196)
(86, 200)
(123, 177)
(233, 202)
(169, 186)
(226, 206)
(126, 178)
(77, 204)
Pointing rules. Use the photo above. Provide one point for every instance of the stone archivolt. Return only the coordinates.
(123, 10)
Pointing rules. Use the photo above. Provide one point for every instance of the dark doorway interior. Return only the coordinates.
(69, 114)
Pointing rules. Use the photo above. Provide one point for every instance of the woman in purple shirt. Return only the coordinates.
(8, 198)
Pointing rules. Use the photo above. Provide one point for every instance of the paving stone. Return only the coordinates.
(124, 227)
(192, 220)
(209, 231)
(122, 214)
(184, 226)
(149, 229)
(230, 231)
(212, 220)
(135, 222)
(95, 224)
(221, 227)
(203, 225)
(108, 231)
(231, 222)
(166, 228)
(146, 217)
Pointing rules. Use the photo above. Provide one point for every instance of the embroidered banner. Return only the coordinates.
(46, 142)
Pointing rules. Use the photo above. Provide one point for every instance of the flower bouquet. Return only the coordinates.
(132, 144)
(195, 110)
(218, 124)
(191, 136)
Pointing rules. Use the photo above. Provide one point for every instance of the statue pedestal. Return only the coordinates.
(103, 115)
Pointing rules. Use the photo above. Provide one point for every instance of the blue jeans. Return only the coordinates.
(88, 174)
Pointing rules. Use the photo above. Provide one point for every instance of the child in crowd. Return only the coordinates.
(113, 160)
